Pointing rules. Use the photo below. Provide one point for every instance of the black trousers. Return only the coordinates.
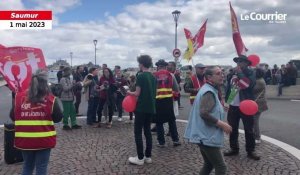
(143, 121)
(78, 101)
(161, 132)
(233, 117)
(120, 99)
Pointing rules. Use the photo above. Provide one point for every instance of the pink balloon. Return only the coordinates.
(254, 60)
(248, 107)
(129, 103)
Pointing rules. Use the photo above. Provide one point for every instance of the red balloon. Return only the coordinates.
(254, 60)
(15, 69)
(248, 107)
(129, 103)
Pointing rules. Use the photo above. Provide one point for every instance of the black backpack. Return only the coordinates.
(11, 154)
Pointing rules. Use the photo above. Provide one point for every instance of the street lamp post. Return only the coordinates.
(71, 56)
(176, 14)
(95, 43)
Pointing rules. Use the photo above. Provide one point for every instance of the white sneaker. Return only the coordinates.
(136, 160)
(147, 160)
(257, 141)
(120, 119)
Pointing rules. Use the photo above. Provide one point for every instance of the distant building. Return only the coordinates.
(57, 64)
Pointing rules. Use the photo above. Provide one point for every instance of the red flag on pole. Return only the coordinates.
(194, 43)
(198, 39)
(236, 36)
(17, 65)
(189, 52)
(188, 34)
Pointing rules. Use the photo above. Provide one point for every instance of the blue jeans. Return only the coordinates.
(92, 110)
(36, 158)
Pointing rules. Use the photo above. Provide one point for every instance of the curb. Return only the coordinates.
(289, 148)
(283, 98)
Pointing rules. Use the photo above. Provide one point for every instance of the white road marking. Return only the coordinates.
(295, 100)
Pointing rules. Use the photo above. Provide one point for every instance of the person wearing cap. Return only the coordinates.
(245, 92)
(166, 84)
(67, 98)
(193, 84)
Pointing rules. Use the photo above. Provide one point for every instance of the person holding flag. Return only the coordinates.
(35, 135)
(196, 81)
(240, 88)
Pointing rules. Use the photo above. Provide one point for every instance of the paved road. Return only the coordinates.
(281, 122)
(94, 151)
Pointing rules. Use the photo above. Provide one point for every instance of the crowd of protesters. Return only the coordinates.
(158, 96)
(158, 92)
(284, 76)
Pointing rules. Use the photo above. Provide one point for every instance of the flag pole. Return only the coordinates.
(195, 72)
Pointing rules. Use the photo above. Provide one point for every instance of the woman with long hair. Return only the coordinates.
(107, 89)
(259, 92)
(35, 111)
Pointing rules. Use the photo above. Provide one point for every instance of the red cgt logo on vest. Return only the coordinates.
(25, 106)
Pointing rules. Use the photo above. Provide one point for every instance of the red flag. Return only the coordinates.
(236, 36)
(194, 43)
(17, 65)
(188, 34)
(198, 39)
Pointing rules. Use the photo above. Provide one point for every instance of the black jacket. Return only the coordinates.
(244, 93)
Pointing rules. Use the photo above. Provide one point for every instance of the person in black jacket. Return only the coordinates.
(268, 75)
(77, 81)
(244, 78)
(60, 73)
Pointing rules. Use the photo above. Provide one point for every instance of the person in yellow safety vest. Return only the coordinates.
(35, 111)
(166, 84)
(193, 84)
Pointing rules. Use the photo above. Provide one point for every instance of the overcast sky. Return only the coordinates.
(127, 28)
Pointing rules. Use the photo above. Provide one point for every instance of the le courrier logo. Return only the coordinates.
(269, 17)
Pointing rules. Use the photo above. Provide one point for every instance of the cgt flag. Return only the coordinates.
(236, 36)
(194, 43)
(189, 52)
(17, 65)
